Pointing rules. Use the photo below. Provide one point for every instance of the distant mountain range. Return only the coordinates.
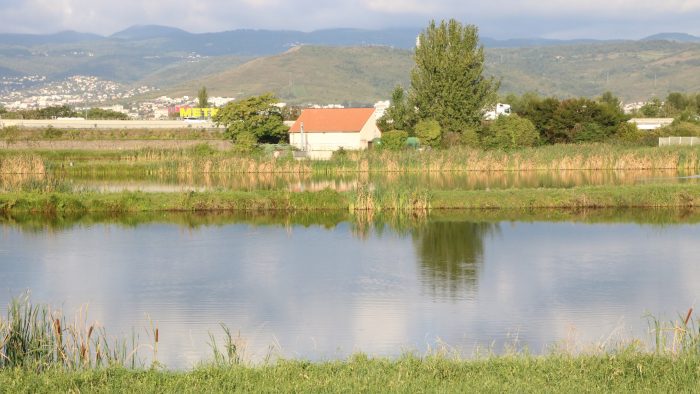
(354, 65)
(673, 37)
(264, 42)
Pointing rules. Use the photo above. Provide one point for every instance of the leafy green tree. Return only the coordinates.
(291, 112)
(62, 111)
(447, 83)
(99, 113)
(256, 115)
(510, 132)
(541, 113)
(652, 109)
(429, 132)
(588, 132)
(394, 139)
(470, 137)
(399, 115)
(676, 103)
(611, 100)
(578, 120)
(203, 97)
(246, 142)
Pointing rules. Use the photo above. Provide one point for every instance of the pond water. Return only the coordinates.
(323, 288)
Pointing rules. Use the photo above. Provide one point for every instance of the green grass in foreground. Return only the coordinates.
(648, 196)
(624, 372)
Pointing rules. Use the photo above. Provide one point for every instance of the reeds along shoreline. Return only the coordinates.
(200, 160)
(364, 199)
(22, 165)
(37, 338)
(34, 337)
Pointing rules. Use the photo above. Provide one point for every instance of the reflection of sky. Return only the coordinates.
(322, 293)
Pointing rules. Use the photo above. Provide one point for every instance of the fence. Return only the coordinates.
(668, 141)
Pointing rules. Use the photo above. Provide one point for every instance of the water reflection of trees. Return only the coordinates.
(451, 255)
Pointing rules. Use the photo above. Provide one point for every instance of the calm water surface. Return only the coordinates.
(322, 292)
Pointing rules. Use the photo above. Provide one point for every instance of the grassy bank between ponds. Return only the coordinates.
(362, 200)
(56, 221)
(608, 373)
(203, 159)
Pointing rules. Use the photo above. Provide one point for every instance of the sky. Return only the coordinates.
(562, 19)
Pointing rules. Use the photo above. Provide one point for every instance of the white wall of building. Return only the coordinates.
(327, 141)
(648, 124)
(333, 141)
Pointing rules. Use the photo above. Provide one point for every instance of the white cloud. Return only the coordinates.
(404, 6)
(507, 18)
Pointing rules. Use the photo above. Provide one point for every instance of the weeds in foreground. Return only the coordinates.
(233, 351)
(38, 338)
(676, 337)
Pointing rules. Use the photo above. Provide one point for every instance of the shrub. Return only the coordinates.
(394, 139)
(245, 141)
(509, 132)
(10, 134)
(470, 138)
(52, 132)
(588, 132)
(450, 139)
(628, 133)
(429, 132)
(202, 150)
(681, 129)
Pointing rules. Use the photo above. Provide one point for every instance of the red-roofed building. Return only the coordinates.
(321, 131)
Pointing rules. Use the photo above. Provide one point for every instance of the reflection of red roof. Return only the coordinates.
(332, 120)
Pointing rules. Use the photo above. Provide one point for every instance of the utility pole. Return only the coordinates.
(301, 131)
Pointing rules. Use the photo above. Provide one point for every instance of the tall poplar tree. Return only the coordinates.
(203, 97)
(447, 83)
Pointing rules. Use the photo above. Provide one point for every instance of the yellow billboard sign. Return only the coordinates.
(198, 112)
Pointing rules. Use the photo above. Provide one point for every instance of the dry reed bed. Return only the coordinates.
(548, 158)
(22, 164)
(551, 158)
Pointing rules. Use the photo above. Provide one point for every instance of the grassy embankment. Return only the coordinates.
(30, 221)
(42, 351)
(642, 196)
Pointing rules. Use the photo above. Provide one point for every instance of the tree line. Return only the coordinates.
(445, 103)
(63, 111)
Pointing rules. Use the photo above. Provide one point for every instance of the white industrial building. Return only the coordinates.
(648, 124)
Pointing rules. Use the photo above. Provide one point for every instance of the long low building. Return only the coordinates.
(107, 124)
(647, 124)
